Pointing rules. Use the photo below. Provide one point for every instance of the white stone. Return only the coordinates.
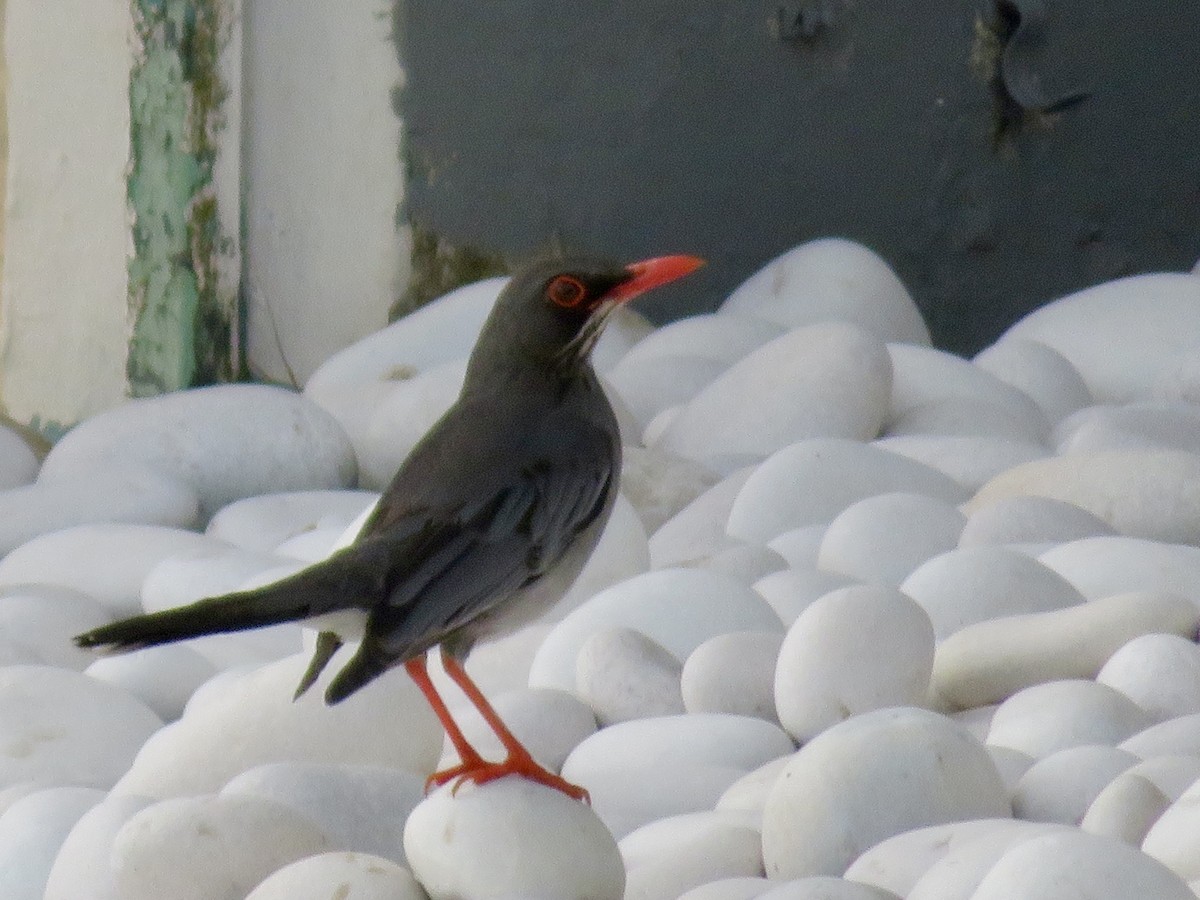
(992, 660)
(355, 876)
(831, 278)
(1174, 838)
(1060, 787)
(511, 838)
(361, 808)
(622, 674)
(973, 584)
(18, 463)
(799, 546)
(671, 856)
(61, 727)
(164, 678)
(1125, 809)
(648, 769)
(1159, 425)
(1175, 736)
(1104, 331)
(1010, 763)
(1103, 566)
(226, 442)
(871, 777)
(107, 561)
(678, 608)
(1159, 672)
(923, 375)
(750, 792)
(1056, 715)
(854, 650)
(748, 563)
(1170, 773)
(827, 380)
(119, 493)
(971, 417)
(249, 718)
(744, 888)
(901, 862)
(31, 832)
(1178, 378)
(733, 673)
(811, 481)
(882, 539)
(1075, 864)
(698, 530)
(81, 870)
(970, 460)
(208, 848)
(822, 887)
(1041, 372)
(659, 484)
(190, 575)
(311, 546)
(402, 416)
(792, 591)
(263, 522)
(652, 384)
(37, 623)
(549, 723)
(1027, 520)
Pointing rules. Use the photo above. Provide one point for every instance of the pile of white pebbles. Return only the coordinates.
(870, 621)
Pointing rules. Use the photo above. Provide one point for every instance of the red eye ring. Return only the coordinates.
(566, 291)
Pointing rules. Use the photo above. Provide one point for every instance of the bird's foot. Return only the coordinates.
(480, 771)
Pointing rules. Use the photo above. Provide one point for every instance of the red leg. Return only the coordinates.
(519, 760)
(470, 758)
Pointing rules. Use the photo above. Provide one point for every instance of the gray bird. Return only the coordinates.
(485, 525)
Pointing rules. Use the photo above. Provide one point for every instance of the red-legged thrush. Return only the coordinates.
(486, 523)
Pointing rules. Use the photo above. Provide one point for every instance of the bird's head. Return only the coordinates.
(553, 311)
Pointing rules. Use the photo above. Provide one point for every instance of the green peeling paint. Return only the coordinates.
(182, 327)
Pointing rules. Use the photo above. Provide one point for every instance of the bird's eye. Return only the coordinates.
(566, 291)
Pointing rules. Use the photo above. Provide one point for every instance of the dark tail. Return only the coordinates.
(317, 589)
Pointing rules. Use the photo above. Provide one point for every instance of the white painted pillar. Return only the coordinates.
(324, 258)
(64, 316)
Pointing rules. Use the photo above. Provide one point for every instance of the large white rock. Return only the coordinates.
(360, 808)
(871, 777)
(1149, 425)
(827, 380)
(667, 858)
(698, 530)
(164, 677)
(1060, 787)
(657, 383)
(227, 441)
(31, 832)
(970, 460)
(733, 673)
(971, 417)
(622, 674)
(328, 876)
(1125, 809)
(854, 650)
(748, 563)
(119, 493)
(883, 538)
(61, 727)
(1041, 372)
(1179, 736)
(511, 838)
(792, 591)
(992, 660)
(660, 484)
(973, 584)
(1030, 520)
(822, 887)
(38, 621)
(923, 375)
(81, 870)
(648, 769)
(1103, 566)
(188, 576)
(831, 278)
(1075, 864)
(1142, 493)
(750, 791)
(1116, 334)
(107, 561)
(677, 608)
(1160, 672)
(208, 848)
(263, 522)
(1060, 714)
(737, 888)
(246, 719)
(1174, 838)
(811, 481)
(799, 546)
